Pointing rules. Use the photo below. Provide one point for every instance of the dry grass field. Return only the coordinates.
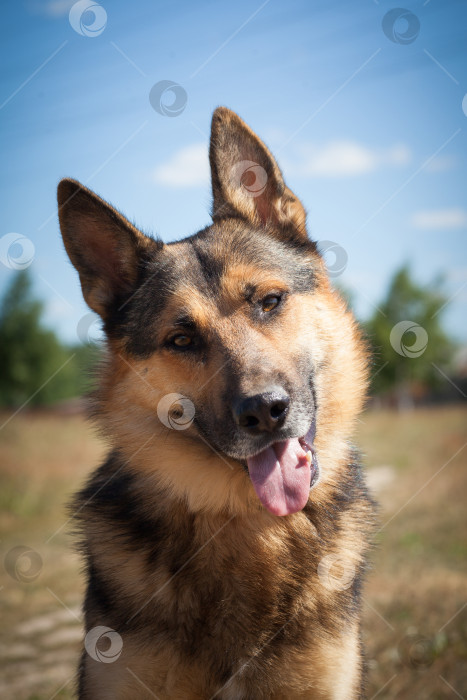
(415, 601)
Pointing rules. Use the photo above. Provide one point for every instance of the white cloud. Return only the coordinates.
(442, 164)
(188, 167)
(52, 8)
(439, 219)
(346, 158)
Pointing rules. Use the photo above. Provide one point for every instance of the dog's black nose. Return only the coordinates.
(262, 412)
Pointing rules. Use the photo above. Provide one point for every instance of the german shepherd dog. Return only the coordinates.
(225, 536)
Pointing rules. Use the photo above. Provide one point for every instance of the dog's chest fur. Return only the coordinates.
(237, 595)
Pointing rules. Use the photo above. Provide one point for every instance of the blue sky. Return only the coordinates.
(368, 127)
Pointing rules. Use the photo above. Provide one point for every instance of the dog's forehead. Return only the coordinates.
(234, 255)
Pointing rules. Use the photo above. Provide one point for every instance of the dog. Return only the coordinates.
(225, 537)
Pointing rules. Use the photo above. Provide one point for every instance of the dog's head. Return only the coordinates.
(228, 350)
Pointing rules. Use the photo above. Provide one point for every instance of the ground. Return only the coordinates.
(415, 599)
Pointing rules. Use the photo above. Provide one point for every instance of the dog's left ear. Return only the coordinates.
(105, 248)
(246, 180)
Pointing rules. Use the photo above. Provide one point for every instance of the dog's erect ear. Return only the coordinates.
(104, 247)
(246, 180)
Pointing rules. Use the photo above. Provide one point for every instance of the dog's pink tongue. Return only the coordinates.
(281, 477)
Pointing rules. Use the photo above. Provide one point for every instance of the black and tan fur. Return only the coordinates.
(212, 595)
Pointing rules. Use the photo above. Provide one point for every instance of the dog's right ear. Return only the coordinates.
(105, 248)
(247, 181)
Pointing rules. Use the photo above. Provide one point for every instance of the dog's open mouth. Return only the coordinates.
(283, 473)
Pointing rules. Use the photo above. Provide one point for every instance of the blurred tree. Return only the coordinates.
(35, 366)
(408, 339)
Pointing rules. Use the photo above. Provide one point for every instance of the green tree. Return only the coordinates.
(408, 340)
(35, 366)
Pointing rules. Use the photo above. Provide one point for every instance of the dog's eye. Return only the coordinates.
(270, 302)
(181, 341)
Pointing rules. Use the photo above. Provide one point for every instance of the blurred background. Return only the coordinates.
(364, 104)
